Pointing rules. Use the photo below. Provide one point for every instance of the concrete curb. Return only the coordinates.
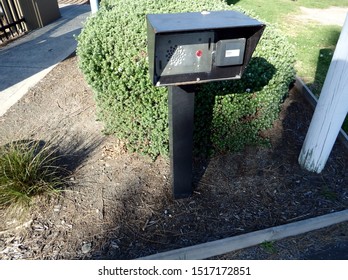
(12, 95)
(227, 245)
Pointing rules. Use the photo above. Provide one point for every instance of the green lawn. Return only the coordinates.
(314, 43)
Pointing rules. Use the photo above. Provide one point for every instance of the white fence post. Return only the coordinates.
(330, 111)
(94, 6)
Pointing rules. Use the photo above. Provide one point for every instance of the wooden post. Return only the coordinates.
(330, 111)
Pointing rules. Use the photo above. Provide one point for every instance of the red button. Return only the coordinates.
(199, 53)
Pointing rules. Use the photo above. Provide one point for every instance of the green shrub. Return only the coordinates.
(112, 54)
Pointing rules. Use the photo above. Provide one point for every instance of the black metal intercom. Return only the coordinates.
(191, 48)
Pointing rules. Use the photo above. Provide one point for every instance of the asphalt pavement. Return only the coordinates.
(25, 61)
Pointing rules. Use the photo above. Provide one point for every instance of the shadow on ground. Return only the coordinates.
(237, 193)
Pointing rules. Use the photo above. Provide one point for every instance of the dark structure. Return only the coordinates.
(190, 48)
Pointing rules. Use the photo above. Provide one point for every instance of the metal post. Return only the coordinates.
(94, 6)
(181, 111)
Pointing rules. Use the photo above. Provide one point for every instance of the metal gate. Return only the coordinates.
(12, 23)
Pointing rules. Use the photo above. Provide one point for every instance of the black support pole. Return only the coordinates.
(181, 111)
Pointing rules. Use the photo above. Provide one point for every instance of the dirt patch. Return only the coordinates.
(329, 16)
(119, 205)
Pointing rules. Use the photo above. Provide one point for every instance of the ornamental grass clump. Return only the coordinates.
(28, 169)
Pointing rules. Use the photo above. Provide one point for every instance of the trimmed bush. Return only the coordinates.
(112, 51)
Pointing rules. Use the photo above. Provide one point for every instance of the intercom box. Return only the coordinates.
(187, 48)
